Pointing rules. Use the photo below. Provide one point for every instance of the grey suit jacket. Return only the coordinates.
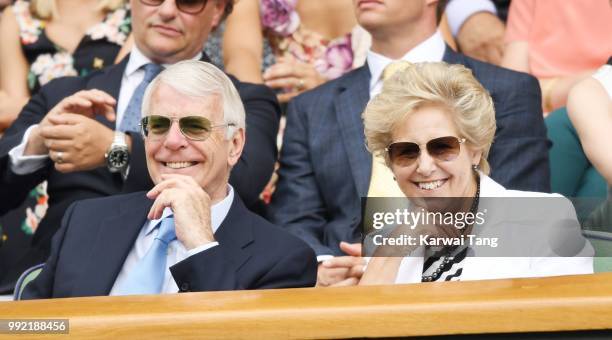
(325, 167)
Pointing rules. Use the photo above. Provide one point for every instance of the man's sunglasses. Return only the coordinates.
(193, 127)
(186, 6)
(442, 149)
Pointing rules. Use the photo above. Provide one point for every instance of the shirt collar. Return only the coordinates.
(138, 60)
(431, 49)
(218, 212)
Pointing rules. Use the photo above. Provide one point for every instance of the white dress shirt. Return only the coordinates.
(132, 77)
(458, 11)
(176, 250)
(432, 49)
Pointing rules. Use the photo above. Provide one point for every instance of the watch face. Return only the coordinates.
(118, 158)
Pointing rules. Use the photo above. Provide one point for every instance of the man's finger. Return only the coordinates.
(343, 261)
(351, 249)
(57, 132)
(351, 281)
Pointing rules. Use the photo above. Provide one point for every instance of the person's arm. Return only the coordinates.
(519, 154)
(297, 205)
(243, 42)
(590, 110)
(478, 30)
(14, 91)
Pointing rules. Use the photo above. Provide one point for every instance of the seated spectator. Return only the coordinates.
(191, 232)
(560, 44)
(324, 164)
(434, 125)
(81, 134)
(590, 110)
(311, 41)
(43, 40)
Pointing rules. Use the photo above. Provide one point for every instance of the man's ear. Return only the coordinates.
(236, 145)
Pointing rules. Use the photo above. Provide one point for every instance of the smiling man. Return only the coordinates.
(190, 232)
(81, 134)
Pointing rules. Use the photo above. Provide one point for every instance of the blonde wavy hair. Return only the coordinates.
(47, 9)
(450, 87)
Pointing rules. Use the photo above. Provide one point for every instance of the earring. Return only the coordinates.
(475, 167)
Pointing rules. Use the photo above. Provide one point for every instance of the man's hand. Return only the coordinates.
(342, 270)
(190, 205)
(86, 103)
(76, 142)
(293, 76)
(482, 37)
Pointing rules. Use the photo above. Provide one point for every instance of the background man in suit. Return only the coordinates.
(191, 232)
(324, 164)
(64, 133)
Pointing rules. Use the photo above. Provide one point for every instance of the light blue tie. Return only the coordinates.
(148, 275)
(132, 114)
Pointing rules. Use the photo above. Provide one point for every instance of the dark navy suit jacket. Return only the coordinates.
(325, 167)
(249, 176)
(97, 235)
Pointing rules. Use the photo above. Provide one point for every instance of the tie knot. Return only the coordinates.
(166, 230)
(151, 71)
(394, 67)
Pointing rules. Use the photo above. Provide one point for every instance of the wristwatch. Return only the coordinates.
(118, 157)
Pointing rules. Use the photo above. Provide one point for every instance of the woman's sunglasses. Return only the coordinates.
(193, 127)
(186, 6)
(442, 149)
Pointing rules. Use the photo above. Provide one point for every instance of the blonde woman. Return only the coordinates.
(43, 40)
(434, 125)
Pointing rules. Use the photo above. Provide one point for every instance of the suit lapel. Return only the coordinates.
(452, 57)
(115, 239)
(353, 95)
(236, 232)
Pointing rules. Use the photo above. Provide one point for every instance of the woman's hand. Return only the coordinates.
(293, 76)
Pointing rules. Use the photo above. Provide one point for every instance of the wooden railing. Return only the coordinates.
(497, 306)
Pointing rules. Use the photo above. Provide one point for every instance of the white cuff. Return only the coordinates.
(322, 258)
(201, 248)
(24, 165)
(458, 11)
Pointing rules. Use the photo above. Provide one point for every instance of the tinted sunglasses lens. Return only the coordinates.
(155, 126)
(197, 128)
(403, 153)
(444, 148)
(191, 6)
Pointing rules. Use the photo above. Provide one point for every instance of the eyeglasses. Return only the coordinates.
(193, 127)
(186, 6)
(442, 148)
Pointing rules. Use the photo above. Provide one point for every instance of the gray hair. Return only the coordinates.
(198, 79)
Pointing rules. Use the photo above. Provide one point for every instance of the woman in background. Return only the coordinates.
(43, 40)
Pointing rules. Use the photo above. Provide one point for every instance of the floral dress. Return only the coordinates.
(281, 22)
(96, 50)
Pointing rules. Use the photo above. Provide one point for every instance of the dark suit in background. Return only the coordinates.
(325, 168)
(97, 235)
(248, 177)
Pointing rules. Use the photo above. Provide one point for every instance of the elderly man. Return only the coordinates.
(325, 165)
(81, 134)
(190, 232)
